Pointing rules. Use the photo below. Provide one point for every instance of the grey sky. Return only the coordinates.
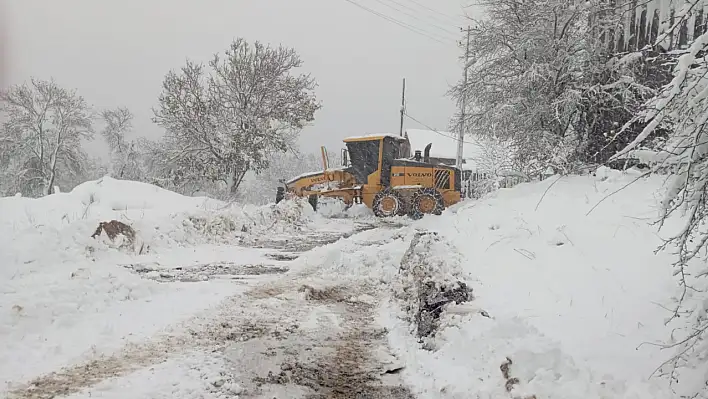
(115, 53)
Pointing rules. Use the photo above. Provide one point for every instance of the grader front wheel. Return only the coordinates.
(388, 203)
(426, 201)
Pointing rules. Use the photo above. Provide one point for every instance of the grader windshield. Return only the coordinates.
(364, 158)
(365, 153)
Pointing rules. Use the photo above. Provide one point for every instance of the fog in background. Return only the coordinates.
(116, 53)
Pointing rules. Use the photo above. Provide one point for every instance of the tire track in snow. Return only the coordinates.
(354, 372)
(209, 335)
(341, 362)
(349, 370)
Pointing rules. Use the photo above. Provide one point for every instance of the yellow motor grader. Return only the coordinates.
(379, 171)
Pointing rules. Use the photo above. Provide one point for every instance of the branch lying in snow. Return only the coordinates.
(527, 254)
(546, 191)
(645, 174)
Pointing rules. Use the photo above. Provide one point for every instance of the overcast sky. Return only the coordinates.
(116, 53)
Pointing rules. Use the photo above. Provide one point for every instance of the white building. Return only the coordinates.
(444, 148)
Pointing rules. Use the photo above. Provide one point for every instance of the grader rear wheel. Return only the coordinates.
(387, 203)
(426, 201)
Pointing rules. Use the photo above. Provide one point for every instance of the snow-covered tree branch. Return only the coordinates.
(542, 76)
(225, 120)
(682, 106)
(41, 137)
(125, 155)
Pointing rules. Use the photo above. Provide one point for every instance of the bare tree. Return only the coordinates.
(41, 137)
(125, 156)
(222, 123)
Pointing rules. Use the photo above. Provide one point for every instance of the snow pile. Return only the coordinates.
(331, 207)
(570, 299)
(374, 255)
(430, 279)
(161, 218)
(67, 297)
(359, 211)
(336, 208)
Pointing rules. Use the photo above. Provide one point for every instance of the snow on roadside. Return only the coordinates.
(372, 255)
(189, 375)
(163, 219)
(64, 296)
(571, 298)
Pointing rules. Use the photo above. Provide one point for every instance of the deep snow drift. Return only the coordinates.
(571, 299)
(66, 297)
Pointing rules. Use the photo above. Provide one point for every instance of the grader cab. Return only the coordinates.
(380, 172)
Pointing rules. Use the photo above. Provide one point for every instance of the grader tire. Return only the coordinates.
(426, 201)
(387, 203)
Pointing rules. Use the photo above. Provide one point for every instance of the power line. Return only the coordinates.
(395, 21)
(442, 29)
(450, 19)
(437, 131)
(435, 11)
(428, 34)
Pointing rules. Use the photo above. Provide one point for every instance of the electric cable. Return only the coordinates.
(397, 22)
(442, 29)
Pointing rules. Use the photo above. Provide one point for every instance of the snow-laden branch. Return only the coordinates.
(42, 136)
(226, 118)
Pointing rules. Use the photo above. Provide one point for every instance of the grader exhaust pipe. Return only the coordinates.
(426, 154)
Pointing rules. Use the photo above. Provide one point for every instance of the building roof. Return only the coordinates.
(444, 145)
(372, 136)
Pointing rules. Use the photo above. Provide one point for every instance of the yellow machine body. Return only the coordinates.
(383, 176)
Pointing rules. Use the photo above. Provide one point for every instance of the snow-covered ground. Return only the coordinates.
(573, 298)
(216, 300)
(67, 298)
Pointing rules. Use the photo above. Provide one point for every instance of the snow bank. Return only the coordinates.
(571, 298)
(374, 255)
(65, 297)
(162, 218)
(430, 278)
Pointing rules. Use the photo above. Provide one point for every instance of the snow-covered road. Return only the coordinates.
(281, 302)
(290, 333)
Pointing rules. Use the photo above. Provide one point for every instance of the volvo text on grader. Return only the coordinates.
(379, 172)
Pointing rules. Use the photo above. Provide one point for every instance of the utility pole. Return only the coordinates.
(403, 107)
(463, 103)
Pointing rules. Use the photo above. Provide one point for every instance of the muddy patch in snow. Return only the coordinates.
(296, 244)
(305, 241)
(282, 257)
(203, 272)
(342, 360)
